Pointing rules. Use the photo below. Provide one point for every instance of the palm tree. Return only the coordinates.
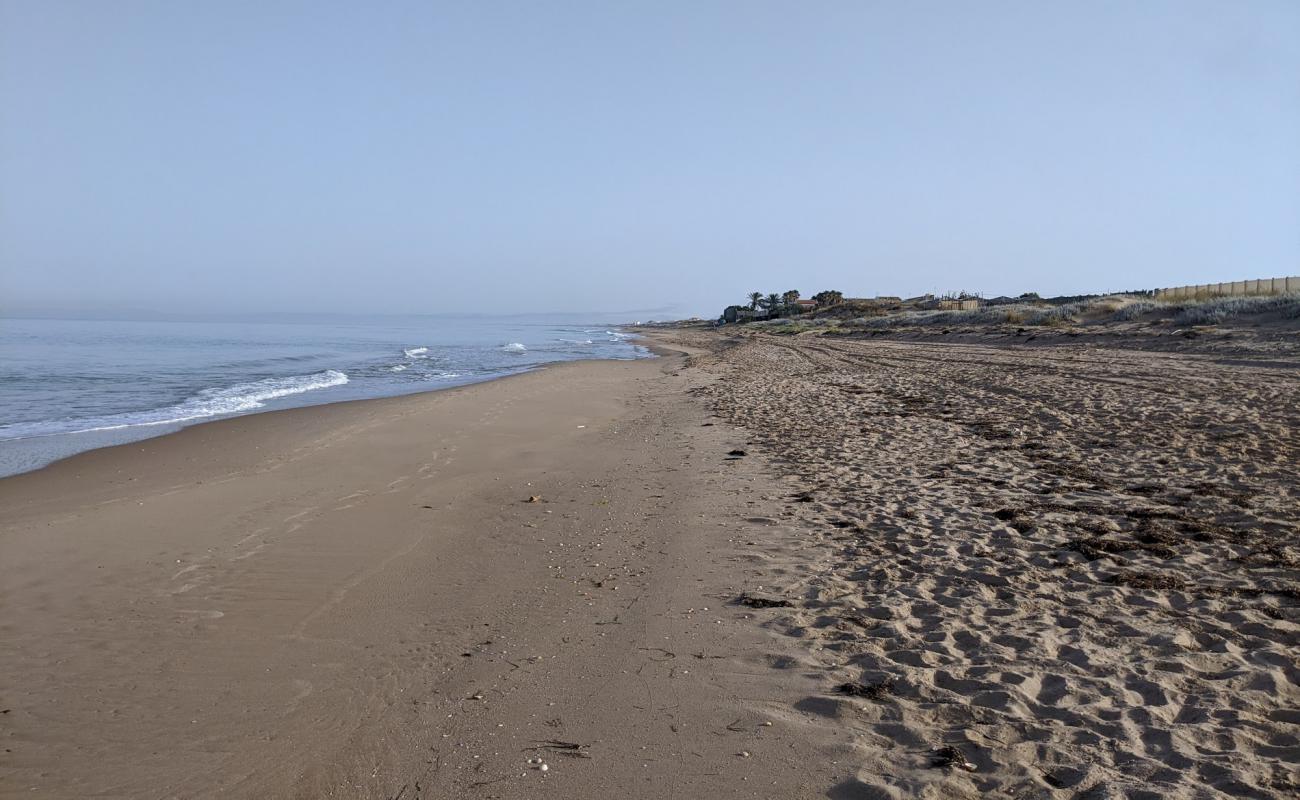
(754, 299)
(773, 305)
(788, 299)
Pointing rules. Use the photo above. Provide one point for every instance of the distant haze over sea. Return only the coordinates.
(150, 315)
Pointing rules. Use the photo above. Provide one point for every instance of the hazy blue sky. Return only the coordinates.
(424, 156)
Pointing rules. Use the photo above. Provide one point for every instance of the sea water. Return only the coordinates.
(71, 385)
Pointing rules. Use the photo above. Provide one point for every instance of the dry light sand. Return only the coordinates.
(972, 570)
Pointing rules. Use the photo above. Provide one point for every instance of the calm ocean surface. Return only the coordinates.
(72, 385)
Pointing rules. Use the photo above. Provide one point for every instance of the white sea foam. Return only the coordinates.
(399, 367)
(416, 352)
(514, 347)
(207, 403)
(577, 341)
(248, 396)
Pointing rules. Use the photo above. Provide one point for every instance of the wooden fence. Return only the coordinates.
(1231, 289)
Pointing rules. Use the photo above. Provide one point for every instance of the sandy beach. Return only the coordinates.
(649, 401)
(757, 566)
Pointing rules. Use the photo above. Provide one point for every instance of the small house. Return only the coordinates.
(737, 314)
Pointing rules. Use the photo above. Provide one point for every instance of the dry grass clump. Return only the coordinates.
(1216, 310)
(992, 315)
(1015, 314)
(1110, 309)
(1057, 315)
(1136, 309)
(1212, 310)
(888, 322)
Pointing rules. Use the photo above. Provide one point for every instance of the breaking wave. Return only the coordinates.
(207, 403)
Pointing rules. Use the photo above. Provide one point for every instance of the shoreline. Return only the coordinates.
(172, 428)
(257, 425)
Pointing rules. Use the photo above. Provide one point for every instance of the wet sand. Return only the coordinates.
(358, 600)
(1043, 572)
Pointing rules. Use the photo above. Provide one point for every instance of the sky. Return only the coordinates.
(670, 156)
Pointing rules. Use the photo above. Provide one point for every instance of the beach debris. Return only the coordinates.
(744, 754)
(666, 655)
(570, 749)
(476, 696)
(802, 497)
(1096, 548)
(737, 453)
(534, 498)
(1139, 580)
(762, 602)
(871, 691)
(948, 757)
